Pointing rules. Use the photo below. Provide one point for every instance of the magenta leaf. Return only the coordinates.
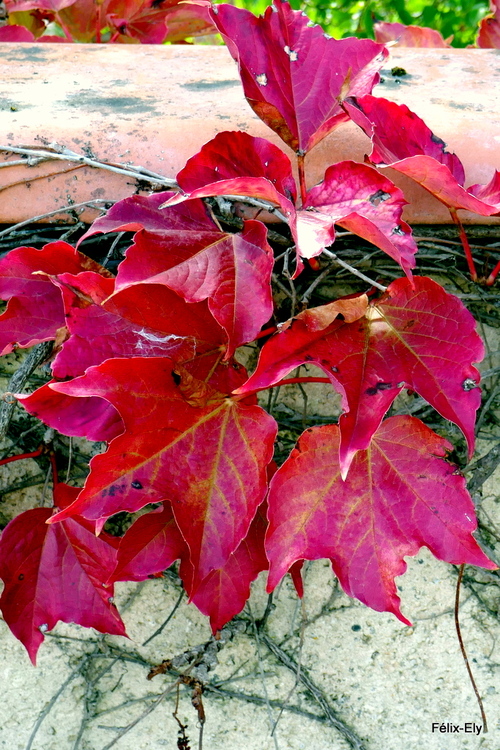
(16, 33)
(56, 572)
(295, 76)
(364, 202)
(400, 495)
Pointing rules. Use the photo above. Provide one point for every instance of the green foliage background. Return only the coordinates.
(355, 17)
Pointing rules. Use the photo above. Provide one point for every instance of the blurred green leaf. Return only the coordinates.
(342, 18)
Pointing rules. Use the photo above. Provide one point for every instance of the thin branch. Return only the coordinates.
(272, 722)
(136, 721)
(62, 210)
(66, 154)
(37, 355)
(219, 692)
(320, 698)
(259, 204)
(483, 468)
(44, 713)
(164, 624)
(354, 271)
(464, 653)
(317, 280)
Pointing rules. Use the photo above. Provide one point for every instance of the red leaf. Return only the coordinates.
(56, 572)
(408, 36)
(150, 545)
(232, 271)
(82, 18)
(225, 591)
(35, 310)
(400, 495)
(154, 307)
(143, 212)
(14, 6)
(418, 337)
(364, 202)
(15, 33)
(183, 441)
(418, 154)
(293, 74)
(140, 20)
(253, 187)
(90, 417)
(96, 334)
(488, 36)
(188, 20)
(237, 154)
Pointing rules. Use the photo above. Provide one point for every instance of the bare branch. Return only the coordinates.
(61, 153)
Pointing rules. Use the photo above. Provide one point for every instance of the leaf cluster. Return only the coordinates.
(148, 361)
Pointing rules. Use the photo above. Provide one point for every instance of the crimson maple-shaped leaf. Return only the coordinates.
(184, 442)
(408, 36)
(35, 309)
(416, 336)
(236, 154)
(364, 202)
(96, 334)
(225, 591)
(56, 572)
(232, 271)
(149, 546)
(400, 495)
(294, 75)
(90, 417)
(401, 140)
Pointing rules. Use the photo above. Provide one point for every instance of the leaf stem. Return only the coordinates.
(492, 277)
(34, 454)
(266, 332)
(302, 177)
(464, 653)
(287, 381)
(465, 244)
